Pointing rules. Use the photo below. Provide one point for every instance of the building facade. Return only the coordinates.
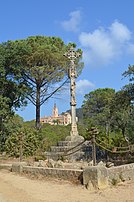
(56, 119)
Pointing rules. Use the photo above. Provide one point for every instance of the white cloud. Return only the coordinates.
(83, 86)
(130, 49)
(120, 32)
(73, 23)
(102, 46)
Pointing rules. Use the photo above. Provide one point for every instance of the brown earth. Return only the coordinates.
(15, 188)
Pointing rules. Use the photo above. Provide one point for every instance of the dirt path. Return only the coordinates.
(15, 188)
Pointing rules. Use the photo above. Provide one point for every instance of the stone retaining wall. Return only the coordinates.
(66, 174)
(6, 166)
(101, 177)
(73, 175)
(93, 177)
(121, 173)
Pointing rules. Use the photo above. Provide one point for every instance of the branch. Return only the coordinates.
(28, 78)
(32, 99)
(50, 95)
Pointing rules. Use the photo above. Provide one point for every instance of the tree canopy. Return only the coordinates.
(130, 87)
(96, 105)
(38, 63)
(12, 92)
(110, 111)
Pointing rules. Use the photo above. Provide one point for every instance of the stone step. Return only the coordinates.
(68, 149)
(53, 155)
(67, 143)
(60, 148)
(62, 143)
(57, 155)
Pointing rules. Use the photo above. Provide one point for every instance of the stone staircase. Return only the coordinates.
(70, 150)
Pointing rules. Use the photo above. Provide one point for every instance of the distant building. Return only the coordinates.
(56, 119)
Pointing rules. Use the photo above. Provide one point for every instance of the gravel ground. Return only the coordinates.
(2, 198)
(15, 188)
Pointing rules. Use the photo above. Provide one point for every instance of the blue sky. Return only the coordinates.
(103, 29)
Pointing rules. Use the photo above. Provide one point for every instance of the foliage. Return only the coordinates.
(130, 87)
(34, 142)
(10, 88)
(4, 109)
(12, 124)
(130, 90)
(111, 113)
(29, 143)
(130, 127)
(121, 111)
(96, 108)
(11, 91)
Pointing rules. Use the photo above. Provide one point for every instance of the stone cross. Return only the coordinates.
(72, 55)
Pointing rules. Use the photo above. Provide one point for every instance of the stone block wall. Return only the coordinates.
(93, 177)
(121, 173)
(66, 174)
(99, 177)
(73, 175)
(6, 167)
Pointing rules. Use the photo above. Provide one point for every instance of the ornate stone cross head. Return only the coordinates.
(71, 54)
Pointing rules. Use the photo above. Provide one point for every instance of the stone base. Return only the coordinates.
(75, 138)
(68, 138)
(68, 149)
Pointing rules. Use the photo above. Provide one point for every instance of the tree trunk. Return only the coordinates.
(21, 146)
(123, 131)
(0, 124)
(107, 135)
(38, 107)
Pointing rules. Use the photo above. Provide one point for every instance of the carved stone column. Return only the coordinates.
(72, 55)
